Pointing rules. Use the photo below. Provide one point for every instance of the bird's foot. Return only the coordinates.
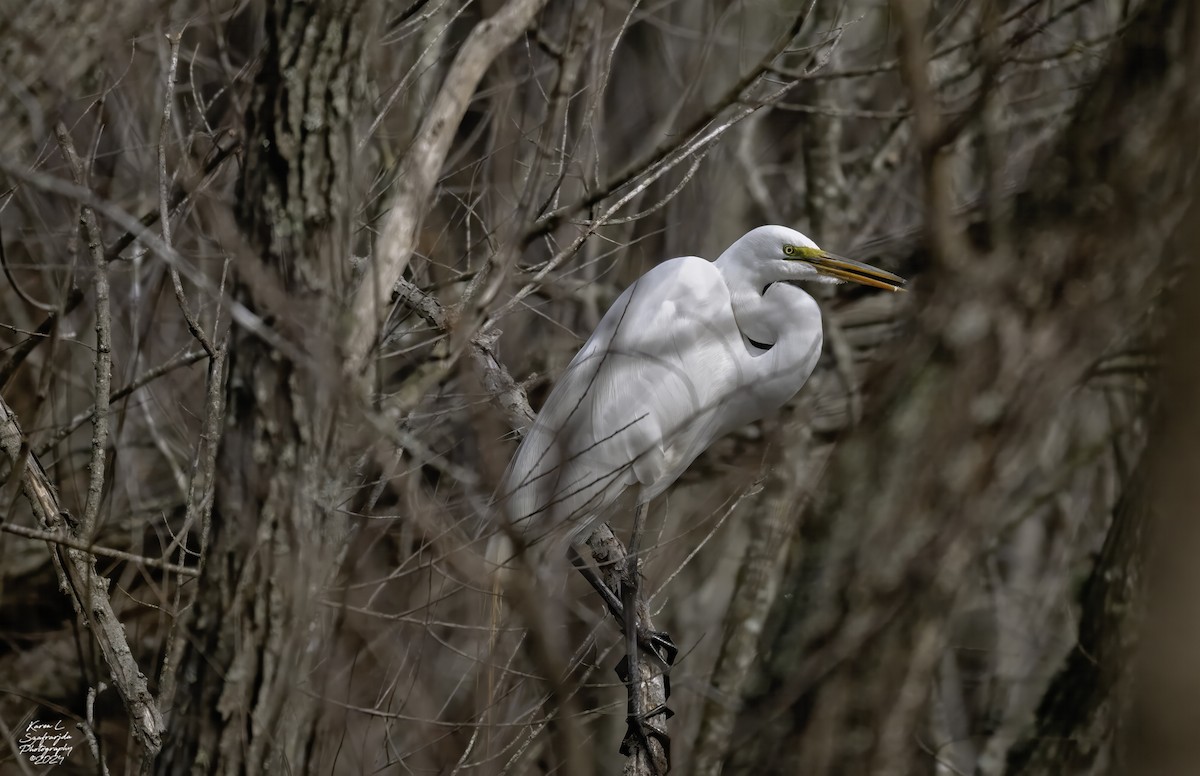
(661, 645)
(639, 733)
(657, 643)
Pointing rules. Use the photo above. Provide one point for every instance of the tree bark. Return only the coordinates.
(247, 687)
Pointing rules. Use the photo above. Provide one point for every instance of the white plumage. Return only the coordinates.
(690, 352)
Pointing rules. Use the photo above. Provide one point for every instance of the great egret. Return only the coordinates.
(690, 352)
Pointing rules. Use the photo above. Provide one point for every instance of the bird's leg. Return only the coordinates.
(657, 643)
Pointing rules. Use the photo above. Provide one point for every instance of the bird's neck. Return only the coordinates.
(753, 310)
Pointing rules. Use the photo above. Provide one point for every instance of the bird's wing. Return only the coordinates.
(671, 354)
(642, 393)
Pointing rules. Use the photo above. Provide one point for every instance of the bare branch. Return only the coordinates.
(504, 390)
(164, 198)
(103, 363)
(677, 141)
(419, 170)
(93, 549)
(88, 590)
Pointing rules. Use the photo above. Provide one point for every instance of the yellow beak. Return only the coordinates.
(855, 272)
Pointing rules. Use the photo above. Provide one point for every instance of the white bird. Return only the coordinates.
(693, 350)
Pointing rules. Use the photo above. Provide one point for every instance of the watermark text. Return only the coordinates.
(46, 743)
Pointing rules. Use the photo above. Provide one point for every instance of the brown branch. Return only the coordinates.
(504, 390)
(419, 171)
(644, 671)
(103, 362)
(94, 549)
(87, 588)
(164, 204)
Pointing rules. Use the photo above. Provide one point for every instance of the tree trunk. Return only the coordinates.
(245, 700)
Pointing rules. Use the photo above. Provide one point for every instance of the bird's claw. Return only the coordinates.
(640, 733)
(662, 646)
(657, 643)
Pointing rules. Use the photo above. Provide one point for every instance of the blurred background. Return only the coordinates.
(964, 548)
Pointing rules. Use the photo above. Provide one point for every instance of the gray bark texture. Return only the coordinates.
(254, 638)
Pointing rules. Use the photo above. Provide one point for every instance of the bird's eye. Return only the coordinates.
(789, 250)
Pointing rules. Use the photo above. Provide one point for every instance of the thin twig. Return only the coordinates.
(95, 549)
(504, 390)
(164, 196)
(103, 361)
(88, 726)
(149, 376)
(419, 65)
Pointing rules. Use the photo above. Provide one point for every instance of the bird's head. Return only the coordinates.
(771, 254)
